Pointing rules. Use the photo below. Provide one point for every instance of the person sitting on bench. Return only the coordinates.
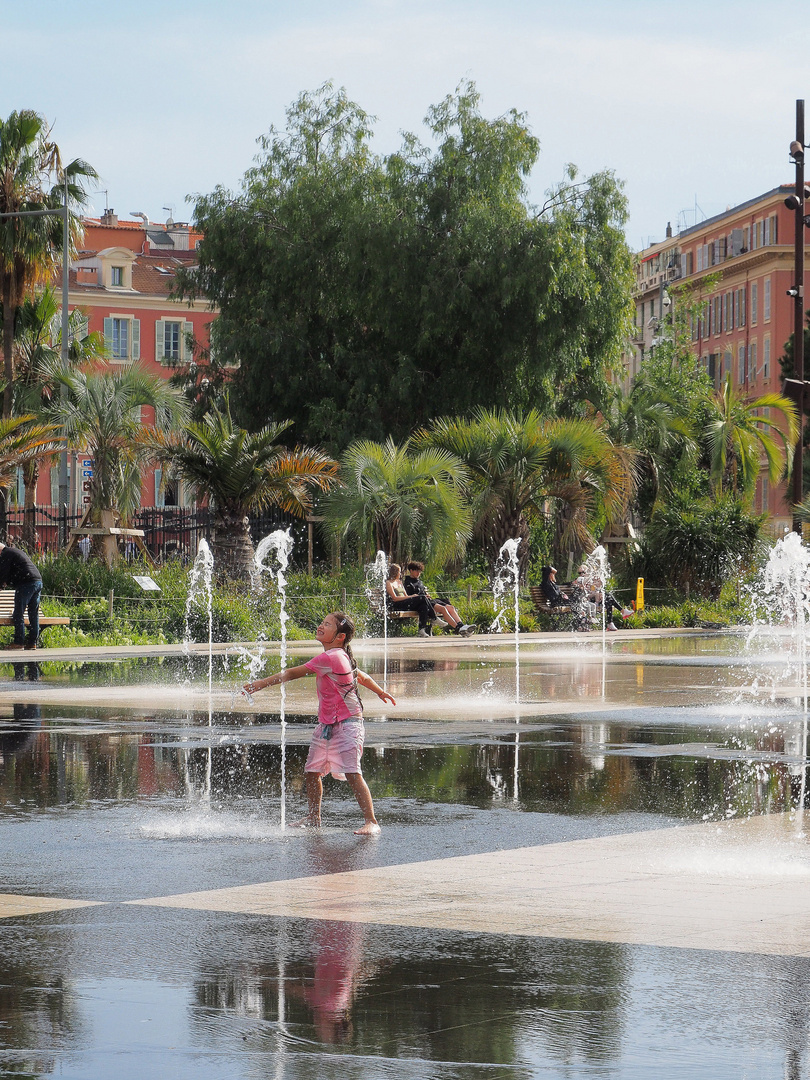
(397, 599)
(443, 608)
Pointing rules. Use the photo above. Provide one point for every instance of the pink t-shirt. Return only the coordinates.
(336, 685)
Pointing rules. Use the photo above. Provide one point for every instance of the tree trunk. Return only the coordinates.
(29, 529)
(231, 545)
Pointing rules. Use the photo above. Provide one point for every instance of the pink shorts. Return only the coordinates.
(340, 753)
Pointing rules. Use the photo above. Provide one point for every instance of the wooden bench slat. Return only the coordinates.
(7, 612)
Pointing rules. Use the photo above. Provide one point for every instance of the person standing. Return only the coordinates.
(337, 743)
(19, 573)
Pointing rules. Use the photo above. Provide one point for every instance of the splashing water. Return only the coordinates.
(200, 595)
(376, 577)
(506, 582)
(783, 591)
(280, 544)
(597, 572)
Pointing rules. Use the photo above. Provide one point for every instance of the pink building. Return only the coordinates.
(121, 279)
(747, 316)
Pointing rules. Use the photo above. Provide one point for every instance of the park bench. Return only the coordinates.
(376, 601)
(543, 607)
(7, 611)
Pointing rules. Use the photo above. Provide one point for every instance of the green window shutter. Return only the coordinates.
(108, 342)
(159, 341)
(186, 351)
(136, 339)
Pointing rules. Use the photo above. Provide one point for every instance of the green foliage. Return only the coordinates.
(697, 545)
(357, 293)
(407, 503)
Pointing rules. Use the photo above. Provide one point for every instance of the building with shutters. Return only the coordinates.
(745, 319)
(122, 279)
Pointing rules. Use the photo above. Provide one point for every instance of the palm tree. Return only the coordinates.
(22, 438)
(100, 415)
(402, 501)
(240, 472)
(739, 435)
(518, 463)
(37, 356)
(657, 427)
(32, 177)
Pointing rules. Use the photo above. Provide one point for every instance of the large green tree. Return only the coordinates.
(361, 295)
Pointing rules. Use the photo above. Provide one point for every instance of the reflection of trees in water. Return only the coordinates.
(433, 996)
(578, 768)
(38, 1010)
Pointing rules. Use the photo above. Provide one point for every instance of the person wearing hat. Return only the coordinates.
(17, 572)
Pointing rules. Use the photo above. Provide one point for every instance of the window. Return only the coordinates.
(741, 307)
(766, 236)
(726, 319)
(171, 340)
(754, 292)
(117, 276)
(741, 365)
(764, 503)
(752, 360)
(766, 358)
(171, 337)
(122, 337)
(766, 299)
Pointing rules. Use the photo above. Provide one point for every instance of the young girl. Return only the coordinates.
(337, 744)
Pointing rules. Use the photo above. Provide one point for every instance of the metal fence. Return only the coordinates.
(169, 532)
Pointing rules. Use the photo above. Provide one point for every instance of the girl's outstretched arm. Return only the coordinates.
(280, 677)
(368, 682)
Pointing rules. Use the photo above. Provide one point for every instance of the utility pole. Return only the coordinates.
(797, 153)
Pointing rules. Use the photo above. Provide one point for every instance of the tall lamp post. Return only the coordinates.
(63, 212)
(797, 391)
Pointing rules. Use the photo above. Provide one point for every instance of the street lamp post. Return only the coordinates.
(64, 213)
(796, 202)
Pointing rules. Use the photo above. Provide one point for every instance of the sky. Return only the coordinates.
(691, 104)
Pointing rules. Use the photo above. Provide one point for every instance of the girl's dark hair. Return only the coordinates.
(345, 625)
(393, 570)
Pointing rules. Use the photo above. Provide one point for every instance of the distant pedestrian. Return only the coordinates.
(19, 573)
(84, 547)
(337, 743)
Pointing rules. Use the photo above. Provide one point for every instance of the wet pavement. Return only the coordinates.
(605, 877)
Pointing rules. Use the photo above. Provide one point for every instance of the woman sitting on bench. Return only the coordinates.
(397, 599)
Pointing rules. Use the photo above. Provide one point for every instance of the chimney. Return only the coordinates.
(669, 230)
(109, 217)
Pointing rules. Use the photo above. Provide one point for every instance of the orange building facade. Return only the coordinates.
(740, 267)
(121, 280)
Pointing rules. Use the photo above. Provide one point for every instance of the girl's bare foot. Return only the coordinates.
(371, 828)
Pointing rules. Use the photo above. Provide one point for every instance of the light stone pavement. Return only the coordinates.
(736, 887)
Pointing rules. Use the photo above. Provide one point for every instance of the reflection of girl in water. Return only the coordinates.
(337, 744)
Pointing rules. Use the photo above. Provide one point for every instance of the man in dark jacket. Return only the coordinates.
(17, 572)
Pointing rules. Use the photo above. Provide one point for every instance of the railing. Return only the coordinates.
(169, 532)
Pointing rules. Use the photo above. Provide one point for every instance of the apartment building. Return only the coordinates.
(121, 279)
(740, 267)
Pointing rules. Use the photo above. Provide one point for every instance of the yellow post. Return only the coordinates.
(640, 594)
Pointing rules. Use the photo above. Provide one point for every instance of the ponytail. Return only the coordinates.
(345, 626)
